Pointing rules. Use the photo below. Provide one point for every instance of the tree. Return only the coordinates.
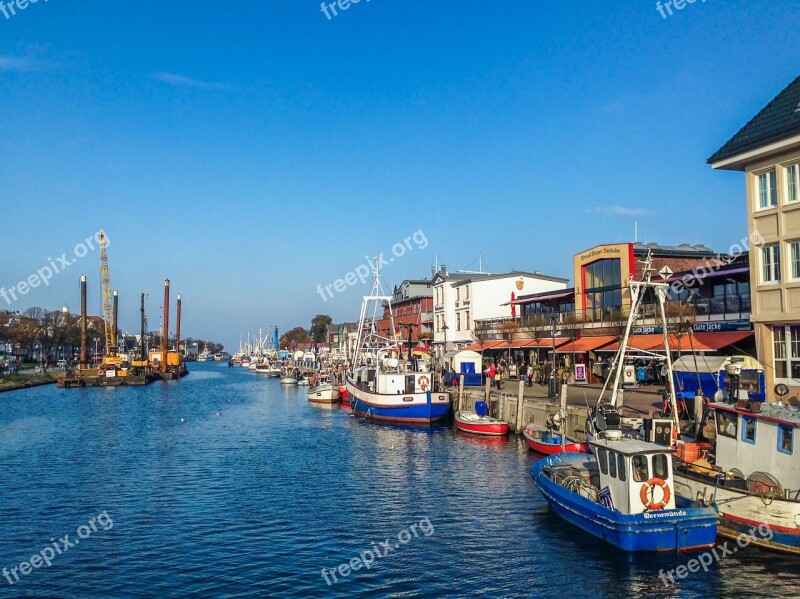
(571, 325)
(510, 330)
(297, 334)
(680, 318)
(318, 327)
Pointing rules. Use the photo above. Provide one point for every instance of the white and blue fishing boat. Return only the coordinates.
(623, 494)
(382, 384)
(755, 477)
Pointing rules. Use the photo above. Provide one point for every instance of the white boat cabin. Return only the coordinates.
(635, 476)
(759, 438)
(395, 377)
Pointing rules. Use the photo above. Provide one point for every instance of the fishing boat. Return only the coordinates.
(623, 494)
(382, 385)
(479, 422)
(323, 391)
(755, 477)
(546, 442)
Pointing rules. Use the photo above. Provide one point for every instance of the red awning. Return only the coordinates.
(699, 342)
(585, 344)
(720, 340)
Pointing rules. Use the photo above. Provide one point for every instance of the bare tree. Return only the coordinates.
(681, 317)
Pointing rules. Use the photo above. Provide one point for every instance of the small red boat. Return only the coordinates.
(546, 442)
(470, 422)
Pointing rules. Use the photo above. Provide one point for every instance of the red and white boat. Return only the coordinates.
(546, 442)
(470, 422)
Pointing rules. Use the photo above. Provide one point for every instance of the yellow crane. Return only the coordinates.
(111, 358)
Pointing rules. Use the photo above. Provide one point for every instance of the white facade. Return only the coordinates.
(461, 299)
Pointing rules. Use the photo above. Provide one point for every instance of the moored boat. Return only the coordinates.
(755, 480)
(546, 442)
(384, 386)
(479, 422)
(323, 392)
(624, 495)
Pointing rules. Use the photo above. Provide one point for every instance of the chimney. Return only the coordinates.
(165, 332)
(84, 327)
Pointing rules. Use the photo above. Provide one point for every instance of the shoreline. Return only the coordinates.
(35, 380)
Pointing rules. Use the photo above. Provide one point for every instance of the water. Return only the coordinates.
(258, 500)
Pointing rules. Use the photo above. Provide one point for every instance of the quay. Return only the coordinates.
(643, 402)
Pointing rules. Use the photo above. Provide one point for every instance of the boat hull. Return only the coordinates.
(678, 530)
(489, 427)
(545, 448)
(413, 408)
(323, 394)
(744, 513)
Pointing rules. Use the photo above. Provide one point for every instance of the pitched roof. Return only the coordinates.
(777, 120)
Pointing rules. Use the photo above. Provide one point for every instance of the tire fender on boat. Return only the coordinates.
(651, 484)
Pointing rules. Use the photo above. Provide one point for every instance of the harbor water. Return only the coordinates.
(227, 484)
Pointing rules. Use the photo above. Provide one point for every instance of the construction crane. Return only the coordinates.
(111, 358)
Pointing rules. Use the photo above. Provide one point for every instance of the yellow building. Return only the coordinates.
(767, 150)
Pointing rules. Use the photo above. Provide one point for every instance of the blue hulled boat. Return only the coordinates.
(395, 392)
(382, 385)
(623, 494)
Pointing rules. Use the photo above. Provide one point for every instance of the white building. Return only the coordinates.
(459, 299)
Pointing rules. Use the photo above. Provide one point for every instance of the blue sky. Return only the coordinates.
(251, 150)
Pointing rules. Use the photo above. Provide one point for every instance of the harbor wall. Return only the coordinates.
(504, 405)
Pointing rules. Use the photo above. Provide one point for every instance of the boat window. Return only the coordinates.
(726, 424)
(785, 438)
(660, 466)
(612, 464)
(602, 459)
(641, 471)
(621, 466)
(748, 429)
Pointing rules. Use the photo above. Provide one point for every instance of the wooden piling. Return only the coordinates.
(520, 398)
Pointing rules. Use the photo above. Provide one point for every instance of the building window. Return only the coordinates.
(794, 256)
(793, 183)
(748, 429)
(466, 292)
(458, 322)
(767, 192)
(603, 289)
(458, 293)
(779, 352)
(785, 438)
(467, 317)
(771, 263)
(786, 351)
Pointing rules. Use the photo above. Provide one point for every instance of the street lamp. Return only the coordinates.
(444, 328)
(553, 391)
(96, 341)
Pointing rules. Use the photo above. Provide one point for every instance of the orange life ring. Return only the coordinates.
(645, 492)
(424, 382)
